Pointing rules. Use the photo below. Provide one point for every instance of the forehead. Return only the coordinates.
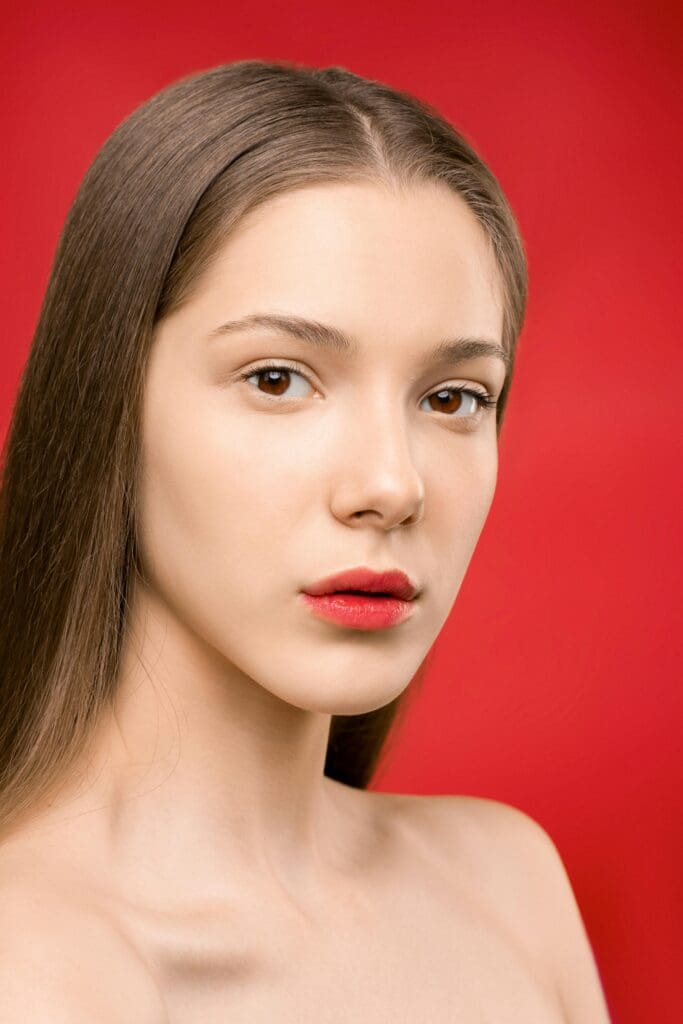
(365, 255)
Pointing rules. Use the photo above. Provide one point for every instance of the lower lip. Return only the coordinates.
(359, 611)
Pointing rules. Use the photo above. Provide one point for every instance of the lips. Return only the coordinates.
(391, 583)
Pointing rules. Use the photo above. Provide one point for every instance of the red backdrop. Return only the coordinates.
(555, 685)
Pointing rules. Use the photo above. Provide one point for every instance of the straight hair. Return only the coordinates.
(160, 198)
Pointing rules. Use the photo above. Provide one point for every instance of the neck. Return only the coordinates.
(199, 779)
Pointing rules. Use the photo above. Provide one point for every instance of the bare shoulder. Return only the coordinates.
(64, 962)
(512, 863)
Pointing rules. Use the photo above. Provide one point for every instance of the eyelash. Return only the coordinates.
(486, 401)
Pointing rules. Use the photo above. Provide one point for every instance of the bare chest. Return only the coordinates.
(406, 959)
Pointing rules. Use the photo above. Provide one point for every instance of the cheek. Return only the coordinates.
(217, 501)
(483, 478)
(461, 501)
(466, 483)
(480, 486)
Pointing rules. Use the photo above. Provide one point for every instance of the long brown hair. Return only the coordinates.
(161, 196)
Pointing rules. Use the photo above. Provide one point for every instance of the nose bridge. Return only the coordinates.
(380, 471)
(385, 437)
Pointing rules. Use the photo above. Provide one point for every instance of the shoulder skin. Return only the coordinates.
(524, 875)
(62, 963)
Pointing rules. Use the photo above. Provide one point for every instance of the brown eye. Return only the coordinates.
(457, 402)
(277, 381)
(274, 381)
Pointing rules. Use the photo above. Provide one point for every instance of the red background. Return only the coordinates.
(555, 684)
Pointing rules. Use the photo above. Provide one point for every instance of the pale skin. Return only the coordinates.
(205, 869)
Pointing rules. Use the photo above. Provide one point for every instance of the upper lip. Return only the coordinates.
(388, 581)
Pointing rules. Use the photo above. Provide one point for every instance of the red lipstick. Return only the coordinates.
(362, 599)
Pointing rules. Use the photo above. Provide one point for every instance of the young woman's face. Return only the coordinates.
(255, 488)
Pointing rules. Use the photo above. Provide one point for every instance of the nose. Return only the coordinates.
(378, 482)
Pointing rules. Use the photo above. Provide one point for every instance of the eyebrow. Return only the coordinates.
(454, 350)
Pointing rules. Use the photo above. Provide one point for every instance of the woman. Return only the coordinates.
(271, 365)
